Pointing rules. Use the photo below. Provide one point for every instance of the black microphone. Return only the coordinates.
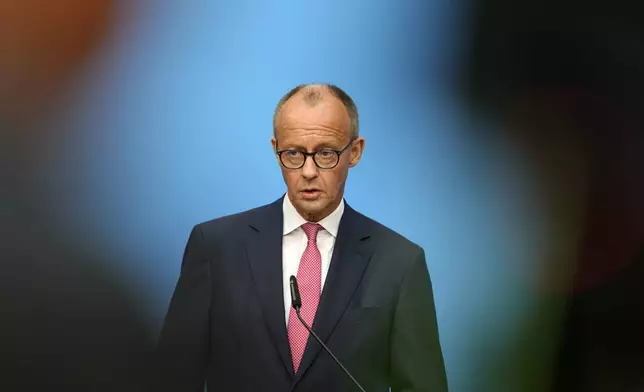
(296, 302)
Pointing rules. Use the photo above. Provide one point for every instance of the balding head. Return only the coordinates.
(313, 94)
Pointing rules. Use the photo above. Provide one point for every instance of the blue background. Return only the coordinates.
(175, 113)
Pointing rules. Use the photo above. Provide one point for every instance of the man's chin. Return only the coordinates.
(311, 209)
(312, 204)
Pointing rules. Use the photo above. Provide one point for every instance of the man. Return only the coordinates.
(365, 289)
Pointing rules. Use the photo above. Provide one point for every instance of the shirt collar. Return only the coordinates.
(293, 220)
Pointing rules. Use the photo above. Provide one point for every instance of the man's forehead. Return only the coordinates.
(311, 137)
(297, 112)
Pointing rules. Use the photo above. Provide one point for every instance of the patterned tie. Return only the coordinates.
(309, 279)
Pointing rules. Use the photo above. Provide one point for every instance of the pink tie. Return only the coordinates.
(309, 279)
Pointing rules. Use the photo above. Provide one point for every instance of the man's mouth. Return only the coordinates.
(310, 193)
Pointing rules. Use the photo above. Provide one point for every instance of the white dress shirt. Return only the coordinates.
(294, 243)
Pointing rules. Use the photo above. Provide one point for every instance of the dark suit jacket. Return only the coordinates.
(226, 321)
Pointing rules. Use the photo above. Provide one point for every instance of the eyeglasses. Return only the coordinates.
(325, 158)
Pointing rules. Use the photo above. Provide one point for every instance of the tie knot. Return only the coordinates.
(311, 230)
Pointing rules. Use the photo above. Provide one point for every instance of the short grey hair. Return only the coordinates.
(312, 96)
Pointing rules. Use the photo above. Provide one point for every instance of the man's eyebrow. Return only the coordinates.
(330, 145)
(290, 146)
(295, 146)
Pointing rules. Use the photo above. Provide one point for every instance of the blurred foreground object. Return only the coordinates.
(67, 323)
(566, 82)
(42, 45)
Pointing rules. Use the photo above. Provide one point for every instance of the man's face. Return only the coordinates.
(316, 192)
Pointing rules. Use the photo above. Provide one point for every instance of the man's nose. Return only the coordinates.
(310, 169)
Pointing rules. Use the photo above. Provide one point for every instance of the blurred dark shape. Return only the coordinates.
(517, 47)
(566, 81)
(66, 322)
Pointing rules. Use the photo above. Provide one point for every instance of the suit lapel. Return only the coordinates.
(350, 258)
(264, 249)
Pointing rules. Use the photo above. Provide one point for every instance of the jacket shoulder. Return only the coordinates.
(387, 236)
(230, 224)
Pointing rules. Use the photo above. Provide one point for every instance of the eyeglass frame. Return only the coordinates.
(312, 155)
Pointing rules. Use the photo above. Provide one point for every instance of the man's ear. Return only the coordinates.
(274, 144)
(356, 151)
